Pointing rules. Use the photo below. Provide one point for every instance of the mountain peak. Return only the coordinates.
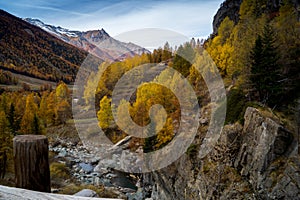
(103, 32)
(32, 20)
(98, 42)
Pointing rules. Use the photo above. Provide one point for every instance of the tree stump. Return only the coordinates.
(31, 162)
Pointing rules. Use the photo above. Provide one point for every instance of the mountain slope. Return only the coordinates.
(97, 42)
(28, 50)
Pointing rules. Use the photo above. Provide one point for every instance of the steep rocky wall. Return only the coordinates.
(256, 161)
(268, 149)
(231, 8)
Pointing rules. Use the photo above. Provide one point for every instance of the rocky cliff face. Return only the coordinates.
(230, 8)
(256, 161)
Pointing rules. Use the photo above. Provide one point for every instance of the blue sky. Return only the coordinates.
(191, 18)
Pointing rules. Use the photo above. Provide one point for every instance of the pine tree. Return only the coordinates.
(184, 59)
(37, 127)
(5, 144)
(12, 119)
(265, 68)
(167, 52)
(257, 69)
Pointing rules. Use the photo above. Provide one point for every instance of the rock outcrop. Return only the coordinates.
(86, 193)
(231, 8)
(256, 161)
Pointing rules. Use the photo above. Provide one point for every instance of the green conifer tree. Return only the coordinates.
(265, 71)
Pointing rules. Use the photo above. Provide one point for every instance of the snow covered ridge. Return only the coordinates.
(96, 42)
(57, 30)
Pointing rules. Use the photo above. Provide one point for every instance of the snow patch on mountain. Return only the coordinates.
(96, 42)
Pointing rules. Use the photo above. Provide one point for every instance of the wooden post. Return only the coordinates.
(31, 162)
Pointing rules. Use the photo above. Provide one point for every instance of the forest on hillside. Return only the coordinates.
(28, 50)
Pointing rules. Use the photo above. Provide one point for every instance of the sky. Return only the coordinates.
(191, 18)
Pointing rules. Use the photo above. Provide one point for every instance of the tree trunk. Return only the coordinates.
(31, 162)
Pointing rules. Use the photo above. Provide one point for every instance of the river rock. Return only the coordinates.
(135, 196)
(86, 167)
(86, 193)
(63, 153)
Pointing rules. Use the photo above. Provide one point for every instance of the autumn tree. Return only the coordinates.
(166, 134)
(30, 123)
(42, 113)
(89, 89)
(104, 115)
(105, 80)
(50, 109)
(220, 48)
(4, 103)
(149, 94)
(63, 110)
(243, 38)
(62, 92)
(287, 28)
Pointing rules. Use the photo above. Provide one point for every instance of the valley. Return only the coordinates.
(217, 119)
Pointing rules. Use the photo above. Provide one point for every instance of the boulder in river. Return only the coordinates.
(86, 193)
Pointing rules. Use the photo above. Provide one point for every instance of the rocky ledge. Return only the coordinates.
(258, 160)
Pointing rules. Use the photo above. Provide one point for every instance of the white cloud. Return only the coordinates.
(191, 19)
